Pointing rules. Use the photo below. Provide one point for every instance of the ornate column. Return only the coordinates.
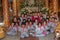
(56, 6)
(14, 5)
(46, 2)
(51, 6)
(6, 13)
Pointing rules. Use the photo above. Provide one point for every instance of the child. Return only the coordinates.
(27, 24)
(46, 28)
(35, 23)
(53, 26)
(39, 30)
(12, 30)
(31, 28)
(28, 19)
(47, 16)
(22, 18)
(24, 31)
(17, 26)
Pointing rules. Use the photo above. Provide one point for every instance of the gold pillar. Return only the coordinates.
(18, 5)
(46, 2)
(6, 13)
(14, 5)
(56, 6)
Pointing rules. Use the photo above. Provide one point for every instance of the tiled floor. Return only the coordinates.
(48, 37)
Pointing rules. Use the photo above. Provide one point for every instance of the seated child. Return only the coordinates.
(53, 25)
(24, 31)
(46, 28)
(27, 24)
(35, 23)
(39, 30)
(31, 28)
(12, 30)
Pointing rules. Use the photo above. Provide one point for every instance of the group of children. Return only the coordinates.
(34, 24)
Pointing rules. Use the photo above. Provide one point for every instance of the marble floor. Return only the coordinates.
(48, 37)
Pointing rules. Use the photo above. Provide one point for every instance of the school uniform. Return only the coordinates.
(24, 32)
(12, 31)
(39, 31)
(31, 30)
(46, 29)
(35, 25)
(53, 27)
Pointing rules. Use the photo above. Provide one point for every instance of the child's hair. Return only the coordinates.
(23, 23)
(45, 21)
(31, 22)
(17, 23)
(28, 19)
(26, 22)
(39, 23)
(36, 19)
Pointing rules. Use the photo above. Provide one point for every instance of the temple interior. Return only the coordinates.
(25, 11)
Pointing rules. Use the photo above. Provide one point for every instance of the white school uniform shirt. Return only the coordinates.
(19, 28)
(31, 27)
(46, 27)
(53, 25)
(35, 25)
(25, 30)
(39, 30)
(49, 24)
(12, 29)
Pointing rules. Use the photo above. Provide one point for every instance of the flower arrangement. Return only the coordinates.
(40, 4)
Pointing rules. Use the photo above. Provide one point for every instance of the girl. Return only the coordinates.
(27, 24)
(35, 23)
(53, 26)
(31, 28)
(39, 30)
(14, 20)
(46, 28)
(22, 18)
(12, 30)
(24, 31)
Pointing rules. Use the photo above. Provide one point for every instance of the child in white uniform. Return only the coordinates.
(53, 25)
(24, 31)
(12, 30)
(46, 28)
(31, 28)
(39, 30)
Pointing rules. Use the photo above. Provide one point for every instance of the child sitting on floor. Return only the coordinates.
(39, 30)
(12, 30)
(46, 28)
(24, 31)
(53, 25)
(31, 28)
